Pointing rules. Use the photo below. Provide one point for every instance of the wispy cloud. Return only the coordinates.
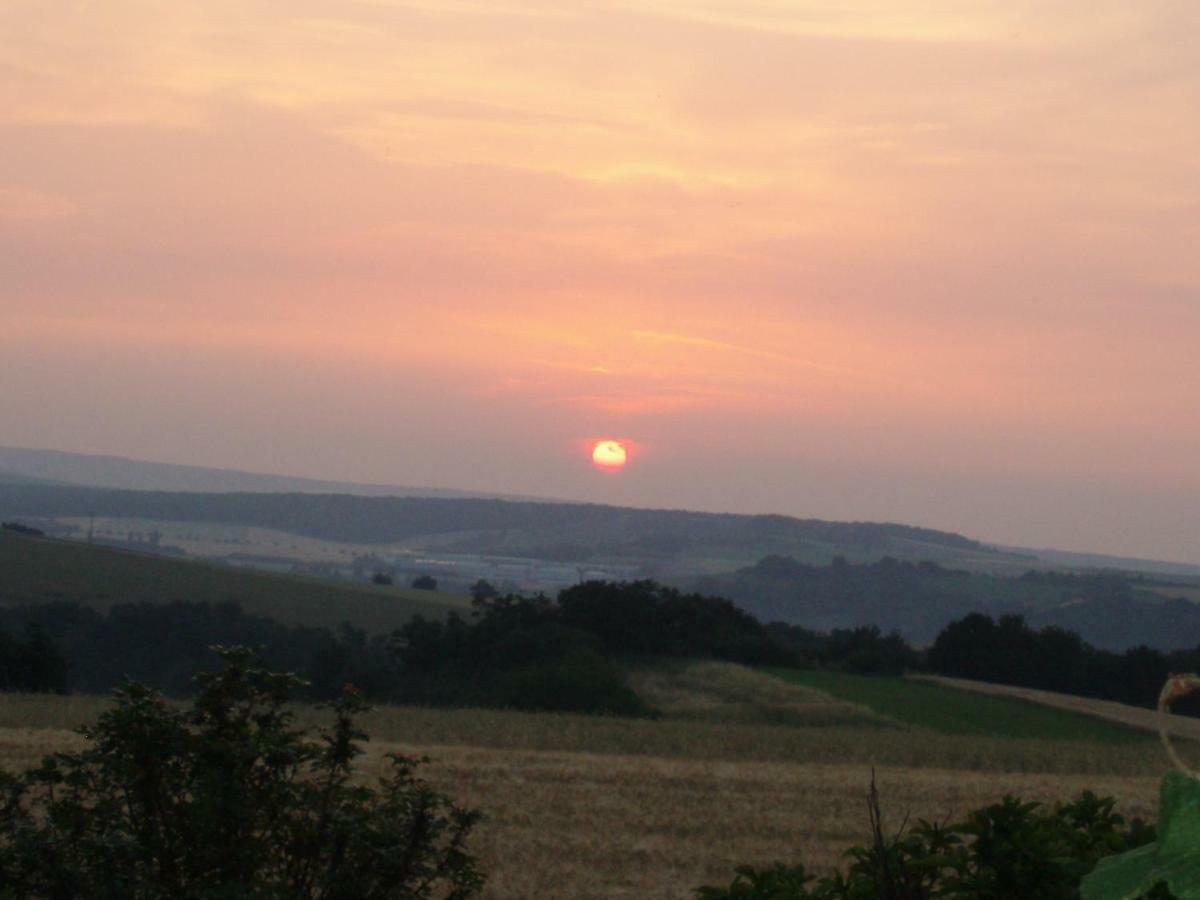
(664, 337)
(661, 338)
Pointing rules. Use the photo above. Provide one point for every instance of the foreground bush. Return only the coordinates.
(227, 800)
(1010, 849)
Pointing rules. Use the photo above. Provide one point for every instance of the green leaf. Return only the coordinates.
(1122, 876)
(1174, 859)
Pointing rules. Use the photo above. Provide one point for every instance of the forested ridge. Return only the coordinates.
(353, 518)
(1112, 610)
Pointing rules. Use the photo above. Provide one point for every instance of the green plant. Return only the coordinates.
(1173, 861)
(227, 799)
(1167, 867)
(777, 882)
(1009, 849)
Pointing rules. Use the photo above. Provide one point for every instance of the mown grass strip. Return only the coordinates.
(951, 711)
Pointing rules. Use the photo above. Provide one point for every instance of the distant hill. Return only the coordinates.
(1071, 560)
(1110, 611)
(17, 478)
(53, 466)
(863, 541)
(44, 570)
(569, 532)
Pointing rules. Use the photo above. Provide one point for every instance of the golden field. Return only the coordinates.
(741, 768)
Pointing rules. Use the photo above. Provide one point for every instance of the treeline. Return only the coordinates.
(32, 663)
(1009, 651)
(1110, 610)
(67, 647)
(915, 599)
(514, 651)
(565, 654)
(568, 653)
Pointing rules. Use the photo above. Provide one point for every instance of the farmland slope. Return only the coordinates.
(43, 570)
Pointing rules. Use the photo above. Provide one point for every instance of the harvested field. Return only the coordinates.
(580, 806)
(580, 825)
(608, 825)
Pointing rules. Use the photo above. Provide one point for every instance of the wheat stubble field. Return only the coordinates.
(742, 768)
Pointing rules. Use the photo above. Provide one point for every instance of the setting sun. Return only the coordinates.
(609, 455)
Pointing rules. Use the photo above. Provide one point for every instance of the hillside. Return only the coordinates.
(1109, 610)
(43, 570)
(570, 532)
(7, 477)
(951, 706)
(1068, 560)
(26, 465)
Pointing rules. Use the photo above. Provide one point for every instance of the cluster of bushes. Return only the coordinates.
(1009, 651)
(514, 652)
(865, 650)
(1009, 849)
(648, 619)
(166, 645)
(537, 653)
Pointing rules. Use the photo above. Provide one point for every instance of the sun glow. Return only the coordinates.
(609, 455)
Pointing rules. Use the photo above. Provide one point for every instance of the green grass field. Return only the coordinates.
(43, 570)
(951, 711)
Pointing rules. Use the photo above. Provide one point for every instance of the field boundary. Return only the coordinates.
(1131, 716)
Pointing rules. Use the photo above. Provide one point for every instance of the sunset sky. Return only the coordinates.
(935, 262)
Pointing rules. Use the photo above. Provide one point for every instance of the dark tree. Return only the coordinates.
(381, 578)
(227, 799)
(35, 664)
(425, 582)
(483, 590)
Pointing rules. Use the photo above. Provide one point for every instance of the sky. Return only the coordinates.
(927, 262)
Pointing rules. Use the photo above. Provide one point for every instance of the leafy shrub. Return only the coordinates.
(515, 655)
(1007, 850)
(778, 882)
(227, 799)
(867, 651)
(1165, 866)
(580, 681)
(650, 619)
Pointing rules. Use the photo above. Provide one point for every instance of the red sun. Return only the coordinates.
(609, 455)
